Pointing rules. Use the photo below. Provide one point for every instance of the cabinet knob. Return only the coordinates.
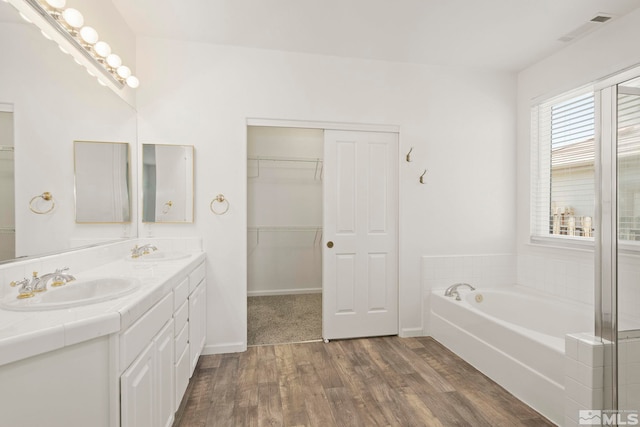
(329, 244)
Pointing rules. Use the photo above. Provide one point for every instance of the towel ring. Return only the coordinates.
(167, 207)
(46, 196)
(220, 199)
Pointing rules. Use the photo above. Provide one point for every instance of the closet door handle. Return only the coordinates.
(329, 244)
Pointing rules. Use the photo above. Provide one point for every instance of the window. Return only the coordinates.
(563, 172)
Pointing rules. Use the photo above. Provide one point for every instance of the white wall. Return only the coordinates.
(565, 272)
(461, 123)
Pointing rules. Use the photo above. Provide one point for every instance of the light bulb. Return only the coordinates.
(73, 18)
(114, 61)
(56, 4)
(102, 49)
(133, 82)
(123, 71)
(89, 35)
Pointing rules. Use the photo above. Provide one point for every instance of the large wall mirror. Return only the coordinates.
(167, 183)
(52, 102)
(103, 182)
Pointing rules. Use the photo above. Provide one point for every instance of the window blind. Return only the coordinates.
(563, 174)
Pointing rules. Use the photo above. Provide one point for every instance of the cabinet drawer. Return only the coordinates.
(196, 277)
(182, 376)
(180, 317)
(140, 334)
(182, 340)
(180, 293)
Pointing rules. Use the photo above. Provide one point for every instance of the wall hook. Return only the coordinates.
(422, 177)
(409, 155)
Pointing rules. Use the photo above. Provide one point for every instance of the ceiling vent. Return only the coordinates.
(584, 29)
(601, 18)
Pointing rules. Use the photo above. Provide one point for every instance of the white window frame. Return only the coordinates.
(540, 175)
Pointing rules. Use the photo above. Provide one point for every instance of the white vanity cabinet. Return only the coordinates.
(157, 353)
(197, 316)
(190, 327)
(123, 362)
(147, 385)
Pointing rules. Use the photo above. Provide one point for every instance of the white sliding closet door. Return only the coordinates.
(360, 255)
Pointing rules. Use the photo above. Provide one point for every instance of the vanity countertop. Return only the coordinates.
(28, 333)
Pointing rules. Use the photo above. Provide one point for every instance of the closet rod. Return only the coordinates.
(318, 161)
(285, 228)
(285, 159)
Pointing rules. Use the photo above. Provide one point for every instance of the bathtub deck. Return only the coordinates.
(368, 382)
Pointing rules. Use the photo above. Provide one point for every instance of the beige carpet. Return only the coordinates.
(283, 319)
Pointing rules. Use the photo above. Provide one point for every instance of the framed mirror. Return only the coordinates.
(102, 182)
(167, 183)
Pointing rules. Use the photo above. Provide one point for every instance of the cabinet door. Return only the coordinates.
(197, 323)
(164, 378)
(136, 391)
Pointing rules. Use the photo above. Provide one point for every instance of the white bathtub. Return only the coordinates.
(515, 336)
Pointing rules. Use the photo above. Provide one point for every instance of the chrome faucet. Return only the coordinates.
(452, 291)
(138, 251)
(58, 278)
(27, 286)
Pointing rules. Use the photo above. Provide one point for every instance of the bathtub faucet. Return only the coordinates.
(452, 291)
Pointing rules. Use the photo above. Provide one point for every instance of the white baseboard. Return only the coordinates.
(298, 291)
(411, 332)
(232, 347)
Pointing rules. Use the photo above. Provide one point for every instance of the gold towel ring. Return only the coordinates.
(46, 196)
(167, 207)
(220, 199)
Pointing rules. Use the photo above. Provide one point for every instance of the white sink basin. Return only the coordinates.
(73, 294)
(160, 256)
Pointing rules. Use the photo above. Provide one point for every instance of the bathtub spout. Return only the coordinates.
(452, 291)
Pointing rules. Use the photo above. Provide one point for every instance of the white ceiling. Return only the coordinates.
(502, 34)
(496, 34)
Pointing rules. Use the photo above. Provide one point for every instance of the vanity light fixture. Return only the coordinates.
(93, 53)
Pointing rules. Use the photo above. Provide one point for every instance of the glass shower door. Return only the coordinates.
(628, 256)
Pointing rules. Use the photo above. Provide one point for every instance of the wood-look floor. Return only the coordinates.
(387, 381)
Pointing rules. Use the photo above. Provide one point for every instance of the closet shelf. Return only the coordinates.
(288, 228)
(318, 162)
